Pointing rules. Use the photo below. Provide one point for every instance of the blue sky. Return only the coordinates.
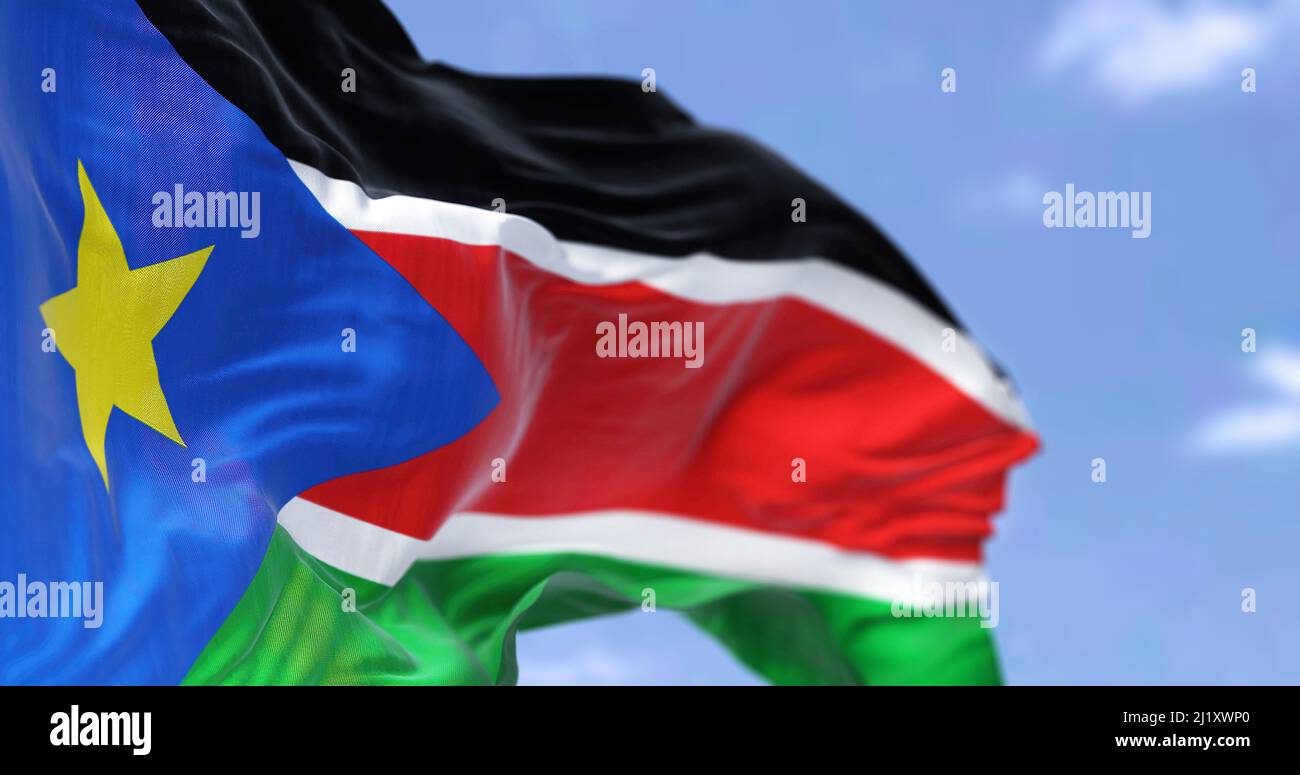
(1125, 349)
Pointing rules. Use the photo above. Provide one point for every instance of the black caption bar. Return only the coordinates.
(329, 724)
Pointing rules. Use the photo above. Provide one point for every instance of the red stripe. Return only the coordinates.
(899, 462)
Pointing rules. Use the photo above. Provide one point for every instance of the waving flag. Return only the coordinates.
(333, 365)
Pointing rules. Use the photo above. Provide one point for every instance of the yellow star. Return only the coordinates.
(105, 327)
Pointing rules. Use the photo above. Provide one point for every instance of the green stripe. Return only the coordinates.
(454, 622)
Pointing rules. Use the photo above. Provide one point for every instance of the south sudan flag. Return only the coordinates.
(481, 355)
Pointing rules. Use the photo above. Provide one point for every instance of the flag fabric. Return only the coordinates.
(497, 353)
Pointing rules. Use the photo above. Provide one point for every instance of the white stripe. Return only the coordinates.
(869, 303)
(382, 555)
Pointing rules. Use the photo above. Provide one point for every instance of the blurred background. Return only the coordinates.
(1125, 349)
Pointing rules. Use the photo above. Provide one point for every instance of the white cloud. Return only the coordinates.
(1266, 424)
(1136, 49)
(1016, 194)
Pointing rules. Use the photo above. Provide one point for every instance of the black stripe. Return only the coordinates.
(593, 160)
